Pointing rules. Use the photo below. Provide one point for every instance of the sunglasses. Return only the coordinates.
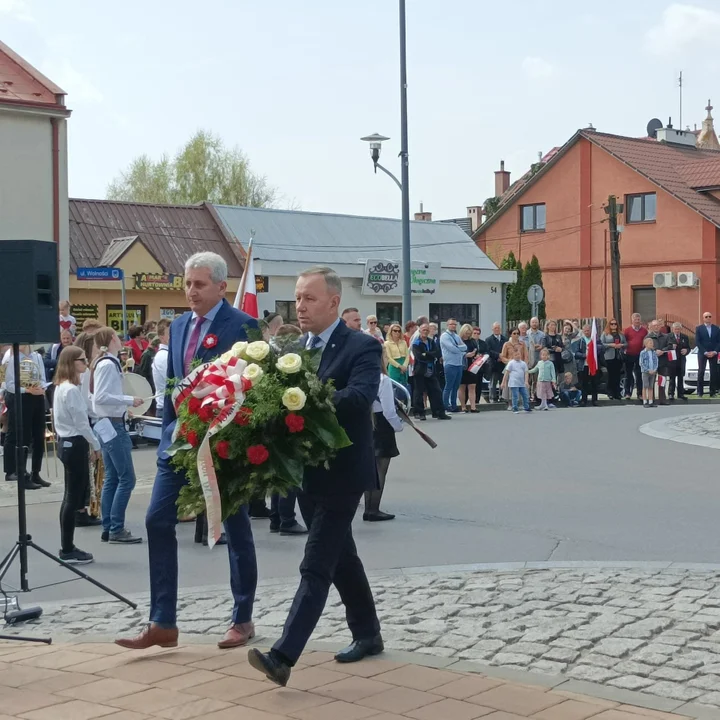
(515, 333)
(613, 324)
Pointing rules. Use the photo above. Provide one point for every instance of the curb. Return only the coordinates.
(664, 430)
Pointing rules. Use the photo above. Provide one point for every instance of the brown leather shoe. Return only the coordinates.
(151, 635)
(237, 636)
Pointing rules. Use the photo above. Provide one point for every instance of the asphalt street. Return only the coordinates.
(561, 485)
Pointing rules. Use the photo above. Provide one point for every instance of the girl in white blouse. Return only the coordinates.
(75, 441)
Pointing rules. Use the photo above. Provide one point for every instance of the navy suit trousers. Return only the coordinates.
(160, 522)
(330, 557)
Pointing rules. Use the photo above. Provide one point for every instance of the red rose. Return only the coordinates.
(246, 384)
(206, 413)
(295, 423)
(257, 454)
(183, 430)
(210, 341)
(194, 405)
(243, 416)
(192, 438)
(223, 449)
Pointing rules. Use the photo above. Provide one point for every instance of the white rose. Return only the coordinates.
(238, 349)
(294, 399)
(289, 364)
(253, 373)
(257, 350)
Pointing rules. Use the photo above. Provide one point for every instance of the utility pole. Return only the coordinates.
(613, 209)
(405, 176)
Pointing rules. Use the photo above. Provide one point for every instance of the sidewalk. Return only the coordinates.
(100, 680)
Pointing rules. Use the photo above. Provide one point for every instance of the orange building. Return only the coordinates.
(669, 185)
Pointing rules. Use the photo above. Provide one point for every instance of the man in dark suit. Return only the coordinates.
(495, 344)
(209, 330)
(707, 339)
(678, 342)
(330, 497)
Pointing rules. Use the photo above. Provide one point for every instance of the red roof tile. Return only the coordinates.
(703, 174)
(20, 82)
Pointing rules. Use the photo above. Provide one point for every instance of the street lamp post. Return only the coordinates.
(376, 142)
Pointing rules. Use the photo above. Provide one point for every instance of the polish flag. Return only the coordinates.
(663, 381)
(246, 297)
(592, 359)
(672, 355)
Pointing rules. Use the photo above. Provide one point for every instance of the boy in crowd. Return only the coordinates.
(568, 391)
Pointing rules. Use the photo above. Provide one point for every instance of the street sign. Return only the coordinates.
(535, 294)
(99, 273)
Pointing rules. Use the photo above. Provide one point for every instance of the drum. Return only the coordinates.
(137, 386)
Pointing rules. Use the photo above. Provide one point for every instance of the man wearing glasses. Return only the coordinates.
(707, 339)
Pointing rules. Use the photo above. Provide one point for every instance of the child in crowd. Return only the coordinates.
(67, 321)
(546, 379)
(516, 378)
(649, 368)
(569, 392)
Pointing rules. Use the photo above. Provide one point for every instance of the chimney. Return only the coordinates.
(422, 215)
(502, 180)
(474, 212)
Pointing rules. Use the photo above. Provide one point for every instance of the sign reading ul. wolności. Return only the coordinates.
(383, 277)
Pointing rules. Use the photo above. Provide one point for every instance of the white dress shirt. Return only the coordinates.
(108, 398)
(204, 328)
(324, 336)
(36, 358)
(159, 373)
(85, 392)
(386, 403)
(70, 414)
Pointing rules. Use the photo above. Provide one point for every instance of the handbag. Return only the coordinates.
(566, 355)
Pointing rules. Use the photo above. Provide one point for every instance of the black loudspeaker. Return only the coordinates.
(28, 291)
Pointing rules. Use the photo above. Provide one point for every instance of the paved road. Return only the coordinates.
(562, 485)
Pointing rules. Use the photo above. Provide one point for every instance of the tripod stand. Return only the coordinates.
(25, 540)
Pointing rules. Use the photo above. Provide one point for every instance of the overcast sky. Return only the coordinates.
(296, 83)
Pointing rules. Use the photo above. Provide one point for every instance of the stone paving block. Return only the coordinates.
(72, 710)
(676, 691)
(569, 710)
(515, 699)
(631, 682)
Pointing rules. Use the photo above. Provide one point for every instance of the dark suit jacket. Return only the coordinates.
(424, 357)
(672, 344)
(707, 343)
(495, 346)
(353, 361)
(230, 327)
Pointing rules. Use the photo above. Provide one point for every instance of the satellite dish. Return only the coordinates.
(653, 126)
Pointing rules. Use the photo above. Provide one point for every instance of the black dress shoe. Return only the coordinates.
(443, 417)
(28, 484)
(268, 664)
(359, 649)
(84, 519)
(11, 477)
(377, 516)
(221, 541)
(295, 529)
(39, 481)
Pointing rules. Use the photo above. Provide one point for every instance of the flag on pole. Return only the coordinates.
(592, 359)
(672, 355)
(246, 296)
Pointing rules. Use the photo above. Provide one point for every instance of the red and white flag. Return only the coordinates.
(672, 355)
(592, 359)
(246, 297)
(663, 381)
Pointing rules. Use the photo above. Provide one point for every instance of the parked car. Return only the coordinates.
(691, 372)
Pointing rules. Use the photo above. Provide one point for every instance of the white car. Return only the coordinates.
(691, 372)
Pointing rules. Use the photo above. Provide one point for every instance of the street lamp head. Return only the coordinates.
(376, 142)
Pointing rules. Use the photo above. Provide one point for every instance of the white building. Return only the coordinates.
(452, 276)
(33, 159)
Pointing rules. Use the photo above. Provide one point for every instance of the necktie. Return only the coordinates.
(193, 344)
(315, 342)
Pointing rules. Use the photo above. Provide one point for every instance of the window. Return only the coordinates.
(641, 208)
(644, 302)
(532, 218)
(388, 313)
(286, 308)
(462, 312)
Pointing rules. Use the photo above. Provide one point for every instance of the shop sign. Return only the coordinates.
(382, 277)
(262, 284)
(171, 313)
(158, 281)
(84, 312)
(135, 316)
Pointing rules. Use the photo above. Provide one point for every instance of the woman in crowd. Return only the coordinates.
(110, 404)
(554, 344)
(410, 329)
(387, 423)
(614, 342)
(137, 344)
(373, 329)
(397, 355)
(508, 353)
(569, 336)
(75, 440)
(468, 382)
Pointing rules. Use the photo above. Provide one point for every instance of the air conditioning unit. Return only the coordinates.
(687, 279)
(663, 279)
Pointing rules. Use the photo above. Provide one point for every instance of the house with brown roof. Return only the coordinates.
(150, 244)
(669, 186)
(33, 158)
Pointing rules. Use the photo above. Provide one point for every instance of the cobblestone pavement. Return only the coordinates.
(651, 630)
(93, 680)
(706, 424)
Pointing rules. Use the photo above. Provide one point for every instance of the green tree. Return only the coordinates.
(491, 206)
(204, 170)
(514, 297)
(532, 275)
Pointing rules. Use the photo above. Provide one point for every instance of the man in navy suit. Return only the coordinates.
(707, 339)
(212, 318)
(330, 497)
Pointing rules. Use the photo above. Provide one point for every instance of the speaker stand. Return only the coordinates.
(24, 540)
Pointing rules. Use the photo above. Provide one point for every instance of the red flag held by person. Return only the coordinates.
(592, 359)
